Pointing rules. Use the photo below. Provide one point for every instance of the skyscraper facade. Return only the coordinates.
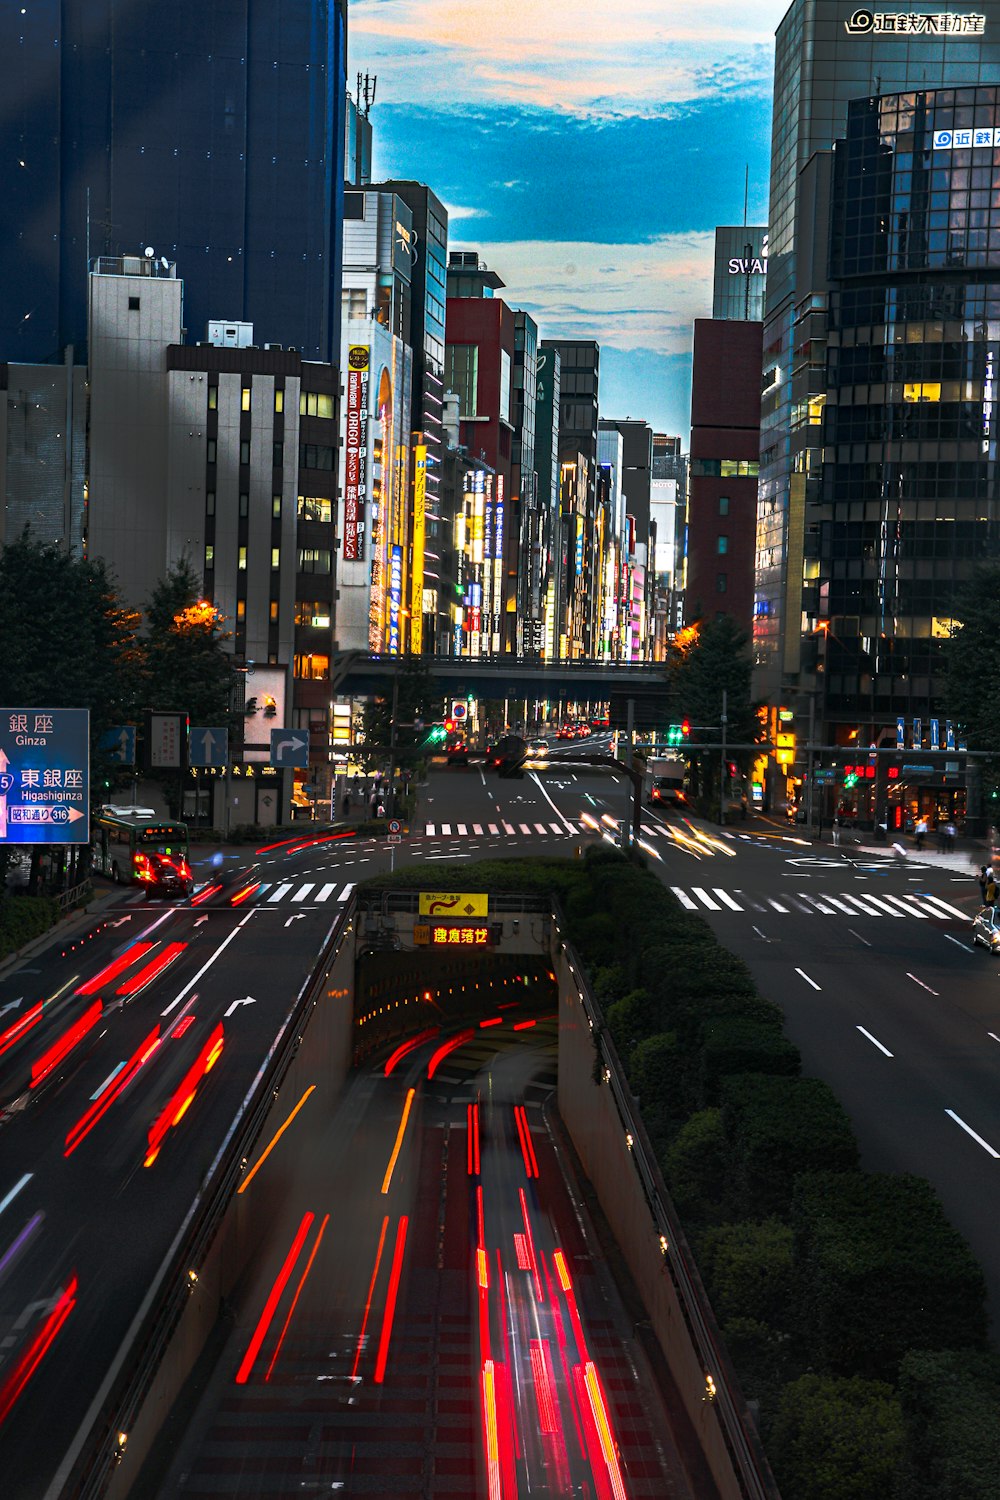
(211, 134)
(740, 272)
(828, 53)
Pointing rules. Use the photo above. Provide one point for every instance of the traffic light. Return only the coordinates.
(851, 779)
(437, 734)
(449, 726)
(685, 727)
(674, 734)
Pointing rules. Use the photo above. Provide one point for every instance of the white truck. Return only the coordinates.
(663, 784)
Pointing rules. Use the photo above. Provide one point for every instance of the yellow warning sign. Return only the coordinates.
(454, 904)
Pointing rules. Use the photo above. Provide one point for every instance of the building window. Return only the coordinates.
(242, 562)
(210, 502)
(313, 612)
(276, 507)
(315, 404)
(461, 375)
(275, 557)
(723, 505)
(277, 455)
(720, 583)
(314, 560)
(244, 503)
(133, 304)
(245, 398)
(274, 611)
(245, 451)
(210, 451)
(722, 545)
(209, 557)
(315, 508)
(213, 398)
(317, 456)
(353, 302)
(279, 400)
(312, 666)
(241, 609)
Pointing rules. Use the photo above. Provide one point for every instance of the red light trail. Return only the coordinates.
(54, 1055)
(390, 1301)
(155, 966)
(409, 1046)
(116, 967)
(36, 1350)
(118, 1083)
(274, 1297)
(451, 1045)
(183, 1096)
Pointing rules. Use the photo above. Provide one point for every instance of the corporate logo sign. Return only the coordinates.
(939, 23)
(356, 452)
(960, 140)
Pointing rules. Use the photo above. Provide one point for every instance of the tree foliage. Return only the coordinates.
(972, 691)
(836, 1439)
(703, 661)
(186, 664)
(413, 692)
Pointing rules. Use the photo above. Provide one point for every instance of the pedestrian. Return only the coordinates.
(949, 836)
(381, 810)
(990, 893)
(981, 880)
(920, 832)
(347, 804)
(836, 830)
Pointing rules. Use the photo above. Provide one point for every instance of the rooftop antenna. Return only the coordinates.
(367, 84)
(746, 192)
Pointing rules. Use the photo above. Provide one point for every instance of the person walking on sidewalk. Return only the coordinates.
(921, 832)
(836, 830)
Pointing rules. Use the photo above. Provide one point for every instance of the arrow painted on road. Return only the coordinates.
(200, 920)
(247, 1000)
(296, 918)
(13, 1004)
(121, 922)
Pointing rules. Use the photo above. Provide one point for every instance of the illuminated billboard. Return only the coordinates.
(419, 528)
(356, 452)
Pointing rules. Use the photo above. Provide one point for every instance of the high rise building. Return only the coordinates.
(528, 517)
(740, 272)
(211, 134)
(668, 508)
(547, 469)
(827, 54)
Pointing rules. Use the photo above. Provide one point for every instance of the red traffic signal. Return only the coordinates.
(685, 727)
(449, 725)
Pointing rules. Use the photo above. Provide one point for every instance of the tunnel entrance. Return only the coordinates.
(416, 972)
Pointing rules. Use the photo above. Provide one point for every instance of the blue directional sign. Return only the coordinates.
(290, 748)
(118, 744)
(44, 775)
(208, 747)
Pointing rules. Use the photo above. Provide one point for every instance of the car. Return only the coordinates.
(229, 887)
(538, 747)
(986, 928)
(167, 875)
(457, 754)
(564, 732)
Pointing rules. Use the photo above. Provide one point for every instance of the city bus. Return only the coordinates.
(133, 846)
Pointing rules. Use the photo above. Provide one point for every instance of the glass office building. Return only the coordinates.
(828, 52)
(908, 500)
(740, 272)
(212, 134)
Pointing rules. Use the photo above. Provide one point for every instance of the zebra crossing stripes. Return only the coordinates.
(568, 828)
(819, 904)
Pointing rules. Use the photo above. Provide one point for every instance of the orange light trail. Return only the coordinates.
(608, 1446)
(274, 1297)
(203, 895)
(276, 1137)
(53, 1056)
(409, 1046)
(524, 1134)
(36, 1350)
(246, 891)
(368, 1303)
(472, 1139)
(104, 1101)
(21, 1028)
(407, 1106)
(298, 1293)
(488, 1395)
(182, 1097)
(483, 1269)
(442, 1052)
(122, 962)
(155, 966)
(562, 1271)
(390, 1301)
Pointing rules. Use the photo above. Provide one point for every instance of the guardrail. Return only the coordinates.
(750, 1464)
(76, 895)
(97, 1449)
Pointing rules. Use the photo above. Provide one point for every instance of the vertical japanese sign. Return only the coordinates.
(356, 452)
(419, 527)
(395, 597)
(44, 775)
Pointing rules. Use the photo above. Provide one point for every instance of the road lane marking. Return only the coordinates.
(542, 828)
(346, 892)
(279, 891)
(859, 902)
(684, 898)
(726, 898)
(977, 1138)
(802, 973)
(705, 898)
(921, 983)
(761, 935)
(815, 901)
(560, 828)
(477, 829)
(492, 828)
(969, 947)
(446, 830)
(524, 827)
(951, 911)
(883, 905)
(859, 937)
(777, 905)
(303, 890)
(206, 966)
(993, 1035)
(23, 1182)
(874, 1041)
(429, 830)
(508, 827)
(840, 905)
(909, 908)
(325, 892)
(110, 1079)
(463, 831)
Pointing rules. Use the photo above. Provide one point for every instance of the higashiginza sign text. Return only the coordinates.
(941, 23)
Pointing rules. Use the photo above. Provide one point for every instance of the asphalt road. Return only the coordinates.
(871, 963)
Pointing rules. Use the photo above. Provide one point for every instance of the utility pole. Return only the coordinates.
(392, 744)
(722, 763)
(809, 765)
(627, 820)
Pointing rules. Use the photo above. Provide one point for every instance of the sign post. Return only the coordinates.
(44, 776)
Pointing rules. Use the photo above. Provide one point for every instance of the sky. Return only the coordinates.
(587, 152)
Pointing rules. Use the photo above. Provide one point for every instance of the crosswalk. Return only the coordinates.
(565, 829)
(850, 904)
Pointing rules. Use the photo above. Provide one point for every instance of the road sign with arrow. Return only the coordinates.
(290, 748)
(208, 746)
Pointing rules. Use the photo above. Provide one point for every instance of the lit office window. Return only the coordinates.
(245, 398)
(242, 562)
(279, 400)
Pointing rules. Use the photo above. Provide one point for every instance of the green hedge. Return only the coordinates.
(836, 1439)
(951, 1408)
(777, 1128)
(737, 1044)
(23, 918)
(882, 1272)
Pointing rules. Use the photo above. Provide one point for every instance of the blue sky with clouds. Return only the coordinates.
(587, 153)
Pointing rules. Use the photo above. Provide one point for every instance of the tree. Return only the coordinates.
(836, 1439)
(972, 688)
(704, 661)
(68, 642)
(187, 666)
(413, 692)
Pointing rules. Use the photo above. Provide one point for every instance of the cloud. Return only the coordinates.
(613, 60)
(627, 296)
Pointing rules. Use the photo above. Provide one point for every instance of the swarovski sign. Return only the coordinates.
(939, 23)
